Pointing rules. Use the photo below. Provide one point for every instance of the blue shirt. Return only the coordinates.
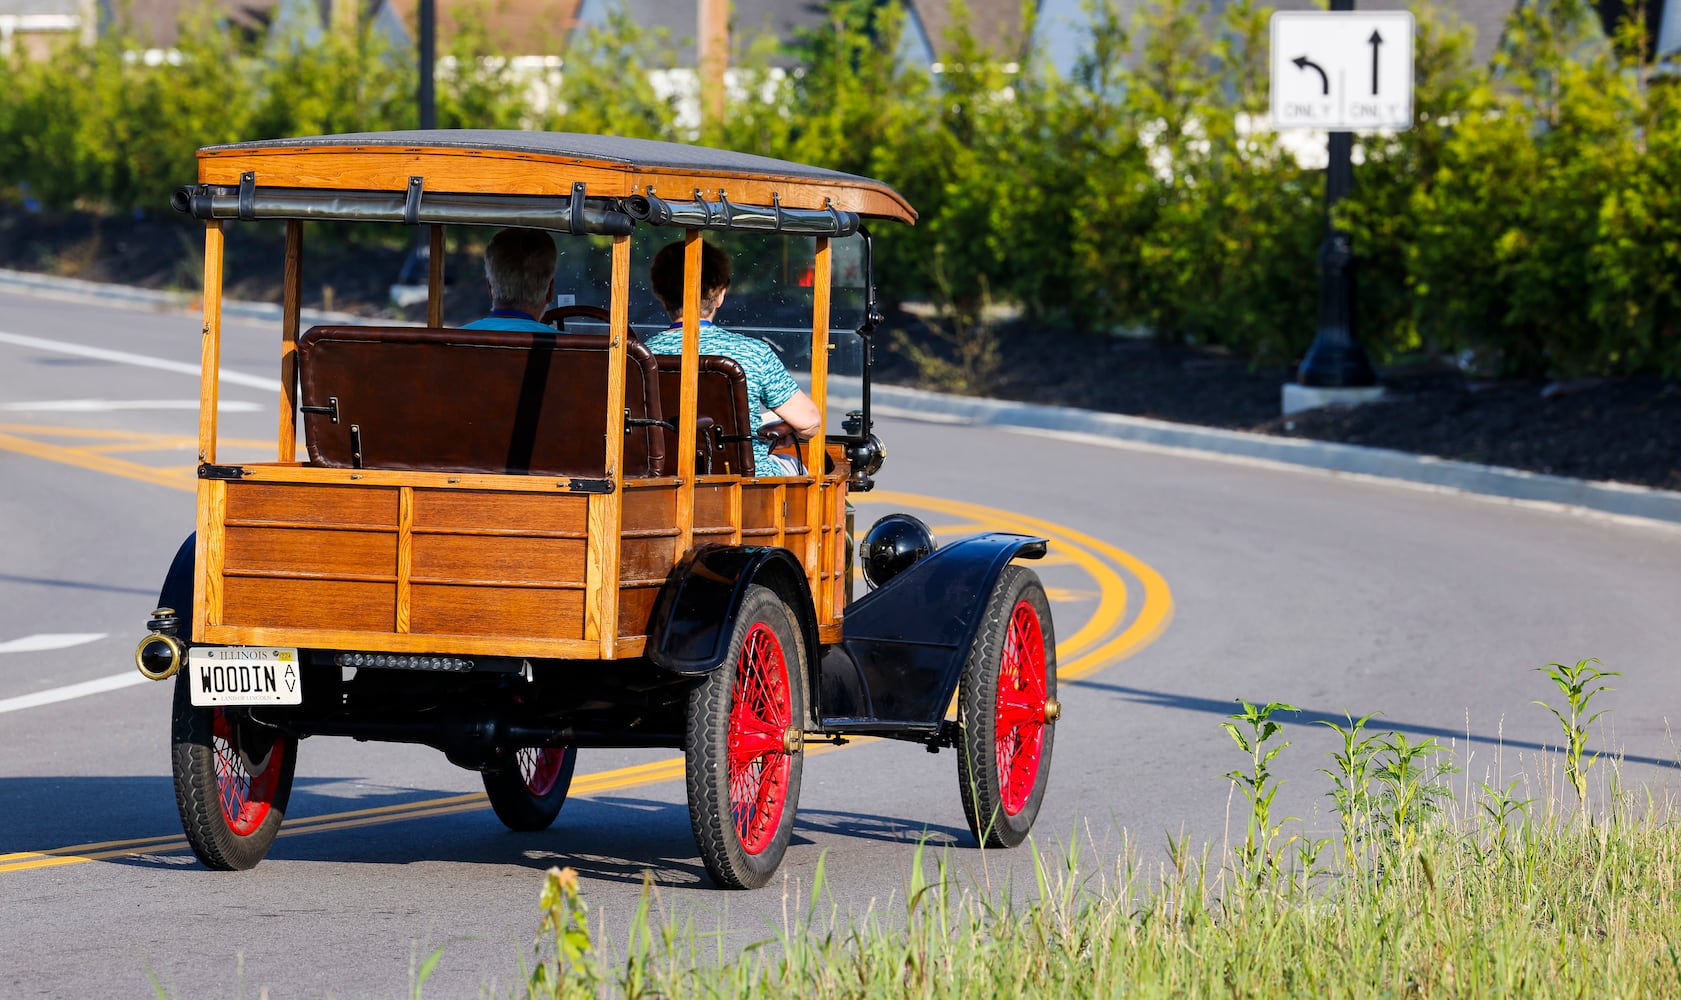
(768, 383)
(509, 319)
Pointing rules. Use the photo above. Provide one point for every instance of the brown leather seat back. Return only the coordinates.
(491, 401)
(727, 445)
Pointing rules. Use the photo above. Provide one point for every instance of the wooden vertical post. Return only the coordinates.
(688, 394)
(606, 510)
(291, 304)
(211, 493)
(817, 538)
(435, 278)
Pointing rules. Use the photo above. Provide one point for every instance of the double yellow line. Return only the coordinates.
(1092, 647)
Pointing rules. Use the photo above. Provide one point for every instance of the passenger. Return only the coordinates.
(769, 386)
(519, 269)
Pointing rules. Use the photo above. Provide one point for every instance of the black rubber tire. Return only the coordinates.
(978, 779)
(210, 832)
(727, 858)
(517, 806)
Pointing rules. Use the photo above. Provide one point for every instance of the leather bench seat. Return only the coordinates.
(474, 401)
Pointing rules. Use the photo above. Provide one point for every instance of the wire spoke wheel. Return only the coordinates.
(528, 792)
(233, 778)
(743, 754)
(1007, 708)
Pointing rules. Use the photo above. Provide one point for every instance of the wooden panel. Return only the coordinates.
(759, 506)
(210, 347)
(650, 508)
(712, 506)
(310, 552)
(635, 605)
(309, 604)
(498, 559)
(645, 559)
(798, 510)
(561, 513)
(511, 612)
(357, 505)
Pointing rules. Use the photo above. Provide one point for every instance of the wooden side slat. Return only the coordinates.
(321, 506)
(601, 610)
(508, 613)
(271, 551)
(304, 604)
(554, 561)
(453, 510)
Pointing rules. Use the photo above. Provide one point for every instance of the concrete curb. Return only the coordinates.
(1610, 498)
(1515, 484)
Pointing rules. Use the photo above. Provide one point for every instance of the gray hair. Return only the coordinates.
(519, 264)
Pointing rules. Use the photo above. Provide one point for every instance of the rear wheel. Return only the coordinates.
(233, 778)
(744, 750)
(1006, 710)
(528, 793)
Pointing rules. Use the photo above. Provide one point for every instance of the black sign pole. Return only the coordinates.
(428, 46)
(1336, 359)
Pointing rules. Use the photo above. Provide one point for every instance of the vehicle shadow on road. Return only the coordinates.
(1308, 717)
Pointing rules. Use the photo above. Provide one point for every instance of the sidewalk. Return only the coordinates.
(1609, 498)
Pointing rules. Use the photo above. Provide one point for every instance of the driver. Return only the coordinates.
(519, 269)
(769, 386)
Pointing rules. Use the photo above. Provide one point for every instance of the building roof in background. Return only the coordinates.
(995, 24)
(1486, 18)
(21, 8)
(521, 27)
(155, 23)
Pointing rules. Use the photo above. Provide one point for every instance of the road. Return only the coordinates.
(1179, 583)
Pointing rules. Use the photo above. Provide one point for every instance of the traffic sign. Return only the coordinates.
(1342, 71)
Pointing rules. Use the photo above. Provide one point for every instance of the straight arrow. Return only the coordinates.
(1376, 42)
(1303, 62)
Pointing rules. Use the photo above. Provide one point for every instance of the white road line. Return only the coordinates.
(70, 691)
(141, 360)
(109, 405)
(49, 640)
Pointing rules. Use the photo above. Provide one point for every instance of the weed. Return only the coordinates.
(1352, 778)
(1578, 684)
(1251, 732)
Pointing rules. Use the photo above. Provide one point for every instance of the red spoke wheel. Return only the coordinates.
(744, 755)
(1007, 710)
(528, 793)
(233, 778)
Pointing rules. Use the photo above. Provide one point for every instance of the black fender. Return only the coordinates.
(904, 644)
(177, 590)
(689, 628)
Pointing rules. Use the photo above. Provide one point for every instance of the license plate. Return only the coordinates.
(244, 675)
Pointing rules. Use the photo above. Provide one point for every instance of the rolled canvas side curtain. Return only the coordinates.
(595, 216)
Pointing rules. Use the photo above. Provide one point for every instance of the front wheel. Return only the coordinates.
(528, 793)
(1006, 710)
(233, 778)
(744, 746)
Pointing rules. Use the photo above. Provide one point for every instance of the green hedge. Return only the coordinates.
(1530, 222)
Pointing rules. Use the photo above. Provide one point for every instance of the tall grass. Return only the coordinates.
(1432, 894)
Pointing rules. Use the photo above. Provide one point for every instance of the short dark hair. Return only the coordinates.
(666, 273)
(519, 264)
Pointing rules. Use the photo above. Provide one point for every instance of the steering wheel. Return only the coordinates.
(558, 316)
